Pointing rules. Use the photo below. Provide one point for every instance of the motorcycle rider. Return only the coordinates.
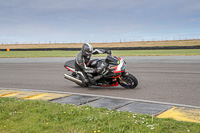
(82, 62)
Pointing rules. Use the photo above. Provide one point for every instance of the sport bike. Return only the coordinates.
(114, 73)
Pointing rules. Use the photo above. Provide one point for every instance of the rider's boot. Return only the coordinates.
(97, 77)
(94, 79)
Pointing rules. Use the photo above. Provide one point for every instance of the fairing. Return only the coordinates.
(70, 65)
(116, 65)
(112, 60)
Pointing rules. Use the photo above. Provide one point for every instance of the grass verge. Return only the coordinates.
(25, 54)
(17, 115)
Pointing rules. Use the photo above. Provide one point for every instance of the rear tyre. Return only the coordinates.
(128, 81)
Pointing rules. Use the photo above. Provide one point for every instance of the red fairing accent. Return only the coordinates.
(88, 63)
(119, 58)
(115, 76)
(117, 71)
(69, 69)
(116, 84)
(117, 66)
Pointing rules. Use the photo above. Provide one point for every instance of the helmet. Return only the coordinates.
(87, 49)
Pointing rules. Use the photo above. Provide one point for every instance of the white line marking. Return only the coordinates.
(103, 96)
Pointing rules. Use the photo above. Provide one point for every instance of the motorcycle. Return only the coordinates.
(114, 73)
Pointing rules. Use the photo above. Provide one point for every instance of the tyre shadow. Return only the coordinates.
(105, 88)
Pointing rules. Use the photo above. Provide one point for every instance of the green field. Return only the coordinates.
(32, 116)
(24, 54)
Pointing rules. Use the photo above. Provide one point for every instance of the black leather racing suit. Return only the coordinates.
(82, 64)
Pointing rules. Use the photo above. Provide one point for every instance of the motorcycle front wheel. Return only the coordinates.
(128, 81)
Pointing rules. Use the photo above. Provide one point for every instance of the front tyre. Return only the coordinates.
(128, 81)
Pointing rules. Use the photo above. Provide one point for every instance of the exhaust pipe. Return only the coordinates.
(73, 79)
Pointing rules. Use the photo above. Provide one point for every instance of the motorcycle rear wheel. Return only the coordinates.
(128, 81)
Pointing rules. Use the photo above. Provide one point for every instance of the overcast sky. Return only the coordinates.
(97, 20)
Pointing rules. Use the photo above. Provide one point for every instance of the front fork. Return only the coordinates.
(123, 74)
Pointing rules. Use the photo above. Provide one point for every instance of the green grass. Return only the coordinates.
(27, 116)
(22, 54)
(180, 52)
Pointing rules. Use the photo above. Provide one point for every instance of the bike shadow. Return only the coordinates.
(93, 88)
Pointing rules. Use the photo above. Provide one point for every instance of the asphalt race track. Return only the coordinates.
(172, 79)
